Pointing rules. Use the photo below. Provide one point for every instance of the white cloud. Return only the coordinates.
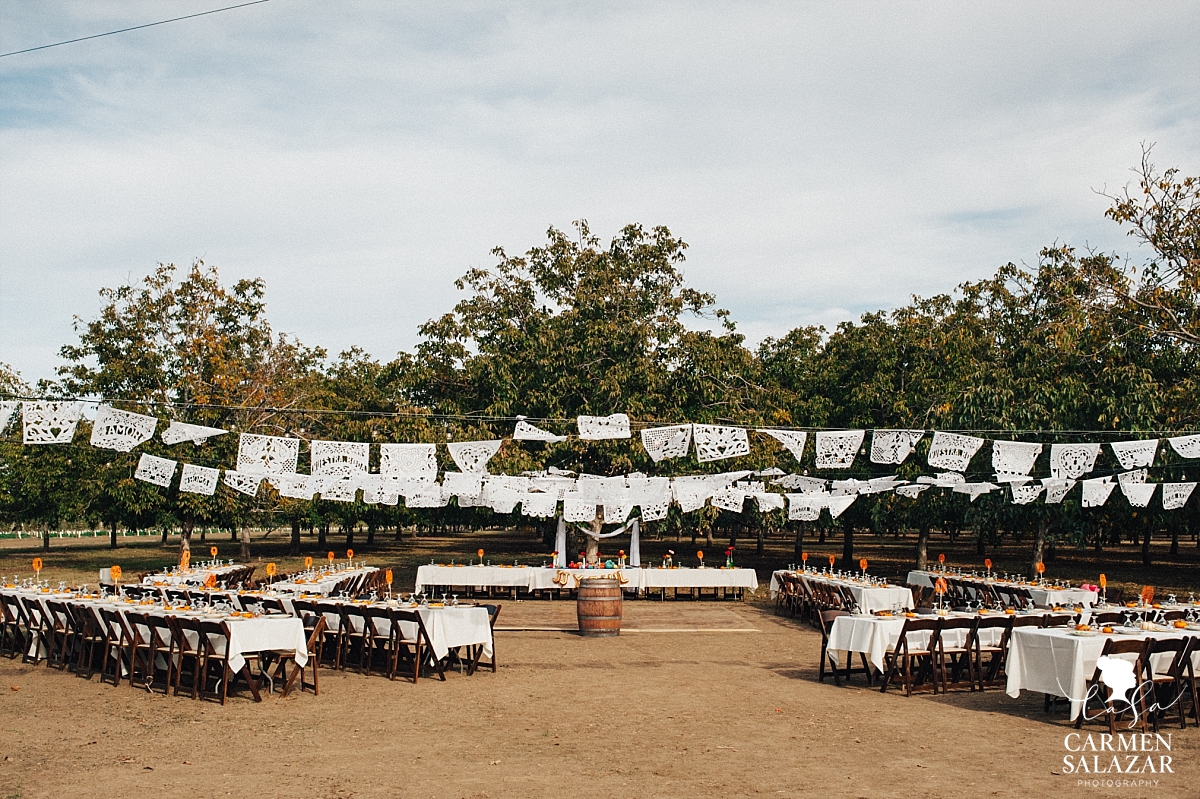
(821, 160)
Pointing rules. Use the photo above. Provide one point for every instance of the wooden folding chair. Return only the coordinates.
(314, 659)
(91, 636)
(58, 629)
(959, 654)
(992, 671)
(161, 640)
(189, 645)
(1170, 684)
(15, 637)
(899, 659)
(116, 643)
(1115, 647)
(36, 625)
(416, 647)
(354, 632)
(141, 653)
(477, 649)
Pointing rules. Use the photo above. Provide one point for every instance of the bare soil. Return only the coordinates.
(729, 706)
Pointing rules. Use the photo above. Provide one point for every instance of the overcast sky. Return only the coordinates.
(821, 159)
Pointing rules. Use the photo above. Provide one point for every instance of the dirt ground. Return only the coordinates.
(694, 699)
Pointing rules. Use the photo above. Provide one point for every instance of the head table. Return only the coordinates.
(323, 584)
(541, 578)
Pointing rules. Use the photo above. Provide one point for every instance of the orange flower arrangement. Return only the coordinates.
(987, 563)
(832, 560)
(940, 586)
(115, 573)
(862, 564)
(37, 565)
(308, 561)
(210, 582)
(272, 569)
(1148, 594)
(941, 557)
(349, 554)
(1041, 567)
(387, 577)
(212, 551)
(329, 556)
(804, 557)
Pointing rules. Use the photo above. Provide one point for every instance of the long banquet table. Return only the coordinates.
(869, 598)
(875, 635)
(1042, 595)
(1058, 662)
(322, 584)
(540, 578)
(194, 576)
(246, 635)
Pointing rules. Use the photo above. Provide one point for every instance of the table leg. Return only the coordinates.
(251, 682)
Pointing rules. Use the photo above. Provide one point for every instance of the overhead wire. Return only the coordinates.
(133, 28)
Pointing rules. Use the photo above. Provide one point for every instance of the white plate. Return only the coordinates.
(1085, 633)
(1128, 630)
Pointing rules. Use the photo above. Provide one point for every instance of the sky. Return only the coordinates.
(821, 159)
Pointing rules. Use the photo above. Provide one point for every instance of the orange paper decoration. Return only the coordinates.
(941, 557)
(1103, 581)
(37, 565)
(272, 569)
(832, 559)
(330, 556)
(1041, 567)
(804, 557)
(210, 582)
(479, 553)
(308, 561)
(387, 576)
(700, 554)
(349, 554)
(212, 551)
(862, 564)
(987, 563)
(940, 586)
(1148, 594)
(115, 573)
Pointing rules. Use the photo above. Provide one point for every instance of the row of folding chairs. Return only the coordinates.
(807, 599)
(1164, 677)
(147, 650)
(371, 638)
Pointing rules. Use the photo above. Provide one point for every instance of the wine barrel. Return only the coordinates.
(599, 606)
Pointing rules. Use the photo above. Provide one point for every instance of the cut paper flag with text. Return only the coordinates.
(121, 430)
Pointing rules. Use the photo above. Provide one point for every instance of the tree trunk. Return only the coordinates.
(979, 545)
(821, 536)
(1174, 536)
(349, 537)
(245, 539)
(294, 548)
(1146, 533)
(370, 534)
(759, 549)
(324, 531)
(166, 531)
(185, 537)
(847, 544)
(798, 546)
(112, 535)
(46, 537)
(923, 547)
(399, 531)
(1039, 546)
(593, 544)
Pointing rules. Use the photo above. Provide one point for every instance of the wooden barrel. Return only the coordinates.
(599, 606)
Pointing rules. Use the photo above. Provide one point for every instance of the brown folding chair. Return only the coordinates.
(316, 630)
(16, 632)
(141, 654)
(161, 640)
(189, 644)
(36, 624)
(91, 636)
(899, 659)
(1170, 684)
(116, 643)
(991, 672)
(380, 636)
(58, 629)
(961, 655)
(1095, 685)
(477, 649)
(353, 627)
(416, 647)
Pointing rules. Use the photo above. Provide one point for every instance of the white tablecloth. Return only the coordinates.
(875, 635)
(869, 598)
(448, 628)
(191, 577)
(283, 633)
(1041, 596)
(322, 586)
(1053, 661)
(534, 578)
